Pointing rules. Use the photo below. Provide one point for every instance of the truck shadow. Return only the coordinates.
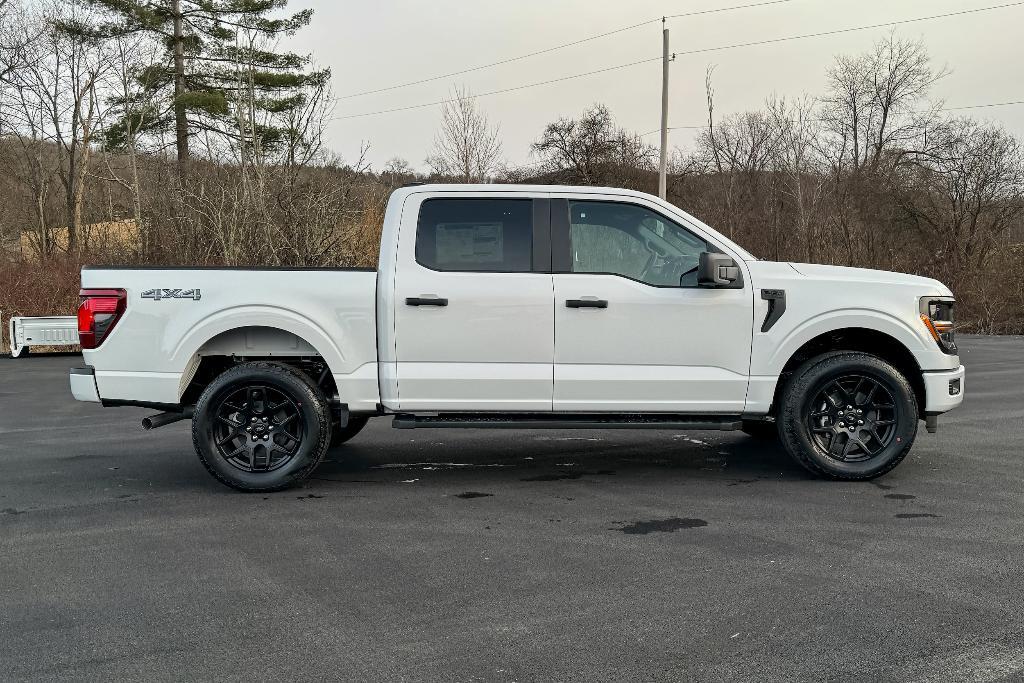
(547, 456)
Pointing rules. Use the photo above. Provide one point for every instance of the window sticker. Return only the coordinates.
(477, 243)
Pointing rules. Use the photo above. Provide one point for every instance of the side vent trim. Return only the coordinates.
(776, 299)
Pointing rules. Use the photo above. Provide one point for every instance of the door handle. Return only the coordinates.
(425, 301)
(586, 303)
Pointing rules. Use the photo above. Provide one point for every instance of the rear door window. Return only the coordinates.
(475, 235)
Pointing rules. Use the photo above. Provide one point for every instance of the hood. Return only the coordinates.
(844, 274)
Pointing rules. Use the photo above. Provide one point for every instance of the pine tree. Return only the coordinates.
(221, 72)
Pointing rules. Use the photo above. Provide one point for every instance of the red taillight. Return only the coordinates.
(98, 312)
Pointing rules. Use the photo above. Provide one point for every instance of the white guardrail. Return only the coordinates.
(43, 331)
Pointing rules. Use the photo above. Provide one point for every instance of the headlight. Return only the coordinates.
(937, 316)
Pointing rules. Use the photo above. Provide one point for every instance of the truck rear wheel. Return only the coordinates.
(848, 415)
(261, 427)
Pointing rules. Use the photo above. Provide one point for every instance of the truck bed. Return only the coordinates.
(175, 316)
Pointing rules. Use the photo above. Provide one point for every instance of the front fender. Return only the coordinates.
(772, 350)
(768, 358)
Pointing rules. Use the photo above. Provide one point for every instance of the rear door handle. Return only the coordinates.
(425, 301)
(586, 303)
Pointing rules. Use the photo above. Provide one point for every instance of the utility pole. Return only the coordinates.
(663, 168)
(180, 114)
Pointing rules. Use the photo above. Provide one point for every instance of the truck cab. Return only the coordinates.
(536, 306)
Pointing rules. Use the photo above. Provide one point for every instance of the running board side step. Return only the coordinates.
(568, 421)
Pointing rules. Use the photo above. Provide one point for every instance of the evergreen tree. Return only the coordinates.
(221, 72)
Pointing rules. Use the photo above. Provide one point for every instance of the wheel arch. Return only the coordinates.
(281, 319)
(213, 346)
(862, 339)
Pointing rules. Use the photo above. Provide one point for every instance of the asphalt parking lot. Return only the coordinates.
(459, 555)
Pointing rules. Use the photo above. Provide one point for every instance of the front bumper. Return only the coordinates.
(83, 385)
(943, 390)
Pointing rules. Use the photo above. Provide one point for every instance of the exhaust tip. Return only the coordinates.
(161, 419)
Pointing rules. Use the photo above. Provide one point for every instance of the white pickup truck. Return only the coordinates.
(524, 306)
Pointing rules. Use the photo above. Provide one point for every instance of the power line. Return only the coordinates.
(721, 9)
(851, 29)
(968, 106)
(689, 52)
(981, 106)
(503, 90)
(509, 60)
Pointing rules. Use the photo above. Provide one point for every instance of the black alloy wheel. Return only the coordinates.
(853, 418)
(847, 415)
(258, 429)
(261, 426)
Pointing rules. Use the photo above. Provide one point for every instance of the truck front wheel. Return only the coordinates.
(261, 427)
(848, 415)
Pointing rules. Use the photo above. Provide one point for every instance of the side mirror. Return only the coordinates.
(718, 270)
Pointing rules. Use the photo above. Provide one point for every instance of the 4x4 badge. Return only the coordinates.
(157, 294)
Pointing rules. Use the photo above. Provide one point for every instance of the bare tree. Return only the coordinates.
(804, 172)
(874, 99)
(964, 195)
(875, 112)
(11, 45)
(592, 150)
(466, 147)
(27, 124)
(57, 101)
(133, 62)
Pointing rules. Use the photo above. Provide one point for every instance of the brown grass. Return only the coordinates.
(28, 289)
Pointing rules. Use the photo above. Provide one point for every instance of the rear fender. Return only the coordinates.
(185, 353)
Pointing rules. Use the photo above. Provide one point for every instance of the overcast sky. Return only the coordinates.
(376, 44)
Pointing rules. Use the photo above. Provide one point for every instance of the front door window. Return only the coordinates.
(634, 242)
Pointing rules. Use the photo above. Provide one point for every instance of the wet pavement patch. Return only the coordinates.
(311, 495)
(900, 496)
(85, 456)
(554, 477)
(663, 525)
(473, 494)
(559, 476)
(914, 515)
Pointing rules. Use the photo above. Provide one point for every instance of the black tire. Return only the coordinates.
(290, 412)
(340, 435)
(759, 429)
(863, 439)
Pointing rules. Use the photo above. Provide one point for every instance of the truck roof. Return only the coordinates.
(481, 188)
(512, 187)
